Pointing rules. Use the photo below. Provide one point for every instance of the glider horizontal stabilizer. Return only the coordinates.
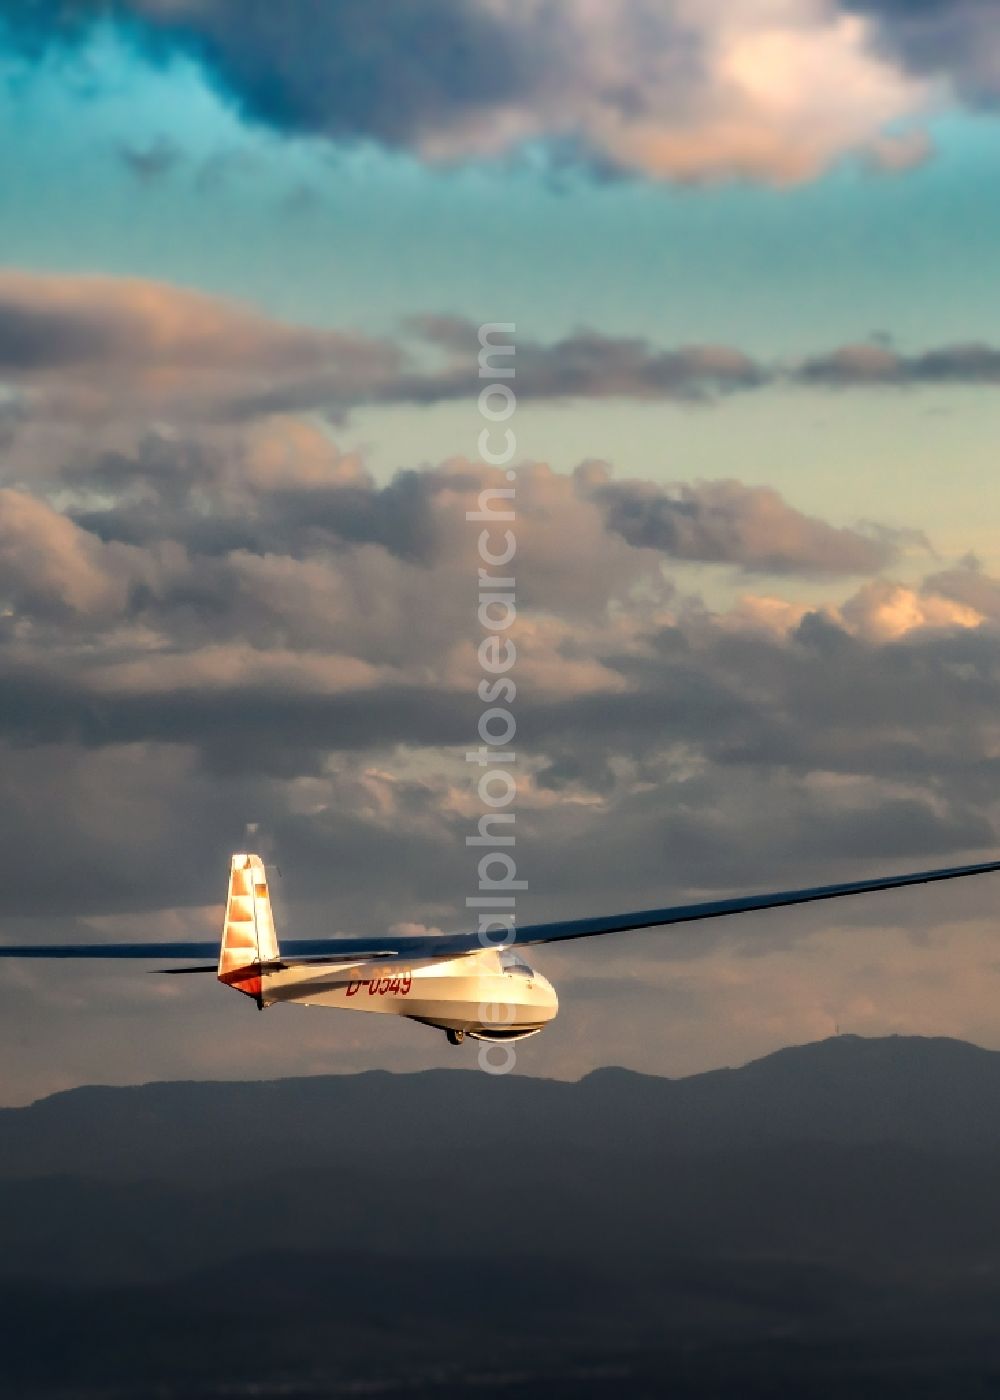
(331, 960)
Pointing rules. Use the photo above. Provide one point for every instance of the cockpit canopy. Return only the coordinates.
(514, 964)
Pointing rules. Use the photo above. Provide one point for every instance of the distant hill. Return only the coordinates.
(846, 1090)
(842, 1189)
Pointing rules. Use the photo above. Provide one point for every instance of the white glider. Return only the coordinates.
(458, 983)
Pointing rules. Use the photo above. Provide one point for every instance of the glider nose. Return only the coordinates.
(548, 1001)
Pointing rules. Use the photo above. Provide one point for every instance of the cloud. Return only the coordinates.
(100, 346)
(969, 586)
(152, 161)
(267, 595)
(871, 365)
(95, 345)
(49, 564)
(262, 590)
(727, 522)
(884, 610)
(586, 364)
(589, 364)
(202, 630)
(665, 89)
(881, 610)
(100, 350)
(956, 39)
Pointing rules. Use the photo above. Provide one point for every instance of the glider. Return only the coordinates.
(462, 983)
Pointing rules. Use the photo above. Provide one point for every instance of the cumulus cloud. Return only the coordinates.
(955, 39)
(667, 89)
(197, 632)
(727, 522)
(881, 610)
(47, 563)
(269, 595)
(968, 585)
(884, 610)
(263, 589)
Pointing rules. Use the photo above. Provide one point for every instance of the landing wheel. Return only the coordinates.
(455, 1037)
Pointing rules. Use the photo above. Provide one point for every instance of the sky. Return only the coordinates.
(749, 249)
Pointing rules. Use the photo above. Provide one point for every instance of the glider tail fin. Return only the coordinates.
(248, 936)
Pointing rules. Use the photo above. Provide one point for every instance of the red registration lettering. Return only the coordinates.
(397, 985)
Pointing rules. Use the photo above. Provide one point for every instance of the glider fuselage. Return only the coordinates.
(489, 995)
